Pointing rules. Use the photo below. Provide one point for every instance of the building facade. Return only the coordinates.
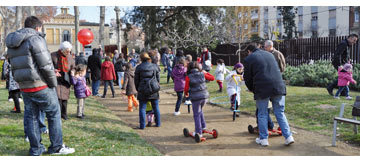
(248, 23)
(311, 21)
(62, 28)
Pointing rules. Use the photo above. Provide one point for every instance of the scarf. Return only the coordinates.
(62, 63)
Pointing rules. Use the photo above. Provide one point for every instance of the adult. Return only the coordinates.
(263, 78)
(146, 71)
(280, 59)
(95, 66)
(134, 55)
(120, 67)
(169, 64)
(164, 58)
(33, 70)
(341, 56)
(81, 59)
(115, 57)
(180, 54)
(64, 64)
(206, 59)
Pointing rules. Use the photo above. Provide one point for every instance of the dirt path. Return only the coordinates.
(233, 139)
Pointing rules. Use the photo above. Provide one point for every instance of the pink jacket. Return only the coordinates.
(344, 78)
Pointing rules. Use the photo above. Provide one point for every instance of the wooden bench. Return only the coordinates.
(354, 121)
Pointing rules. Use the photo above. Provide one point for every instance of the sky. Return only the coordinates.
(91, 13)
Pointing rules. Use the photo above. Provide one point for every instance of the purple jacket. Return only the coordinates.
(178, 75)
(79, 86)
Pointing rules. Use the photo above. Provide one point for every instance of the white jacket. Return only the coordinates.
(232, 87)
(220, 72)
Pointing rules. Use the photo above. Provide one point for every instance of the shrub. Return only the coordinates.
(320, 74)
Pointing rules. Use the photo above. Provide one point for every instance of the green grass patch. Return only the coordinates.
(309, 108)
(100, 133)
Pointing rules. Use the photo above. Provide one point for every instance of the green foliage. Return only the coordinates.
(288, 16)
(1, 65)
(320, 74)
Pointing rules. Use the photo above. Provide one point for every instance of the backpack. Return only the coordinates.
(151, 85)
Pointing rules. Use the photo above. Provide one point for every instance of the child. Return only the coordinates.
(219, 72)
(178, 76)
(149, 114)
(234, 80)
(129, 86)
(344, 77)
(108, 75)
(196, 89)
(80, 89)
(14, 90)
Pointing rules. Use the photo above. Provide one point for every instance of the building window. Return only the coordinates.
(357, 16)
(314, 21)
(314, 9)
(332, 19)
(239, 15)
(300, 10)
(332, 33)
(301, 34)
(245, 26)
(66, 36)
(314, 34)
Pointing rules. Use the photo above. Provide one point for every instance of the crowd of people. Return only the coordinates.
(43, 81)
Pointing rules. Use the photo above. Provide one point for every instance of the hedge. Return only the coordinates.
(319, 74)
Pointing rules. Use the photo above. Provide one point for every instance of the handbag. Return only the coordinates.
(87, 90)
(152, 85)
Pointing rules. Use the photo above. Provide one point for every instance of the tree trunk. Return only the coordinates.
(117, 10)
(101, 26)
(18, 18)
(30, 11)
(77, 47)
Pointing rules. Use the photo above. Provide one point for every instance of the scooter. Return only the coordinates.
(197, 137)
(273, 132)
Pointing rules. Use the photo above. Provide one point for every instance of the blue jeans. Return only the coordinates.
(120, 77)
(142, 112)
(278, 104)
(45, 100)
(42, 125)
(341, 88)
(270, 122)
(169, 74)
(179, 101)
(106, 83)
(199, 119)
(95, 87)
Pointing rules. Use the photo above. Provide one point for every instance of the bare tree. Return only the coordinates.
(8, 21)
(77, 13)
(18, 17)
(117, 10)
(101, 25)
(30, 10)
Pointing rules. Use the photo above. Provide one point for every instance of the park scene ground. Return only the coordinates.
(108, 127)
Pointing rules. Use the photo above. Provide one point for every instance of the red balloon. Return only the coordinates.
(85, 36)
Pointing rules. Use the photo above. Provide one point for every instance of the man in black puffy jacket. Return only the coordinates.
(95, 66)
(33, 70)
(341, 57)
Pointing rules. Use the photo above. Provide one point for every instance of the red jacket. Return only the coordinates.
(108, 71)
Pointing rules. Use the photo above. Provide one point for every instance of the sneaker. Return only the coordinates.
(20, 100)
(10, 100)
(349, 98)
(45, 132)
(176, 113)
(188, 102)
(26, 139)
(289, 141)
(336, 97)
(64, 150)
(194, 134)
(263, 142)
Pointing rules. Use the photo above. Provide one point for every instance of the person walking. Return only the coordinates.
(280, 59)
(178, 75)
(263, 77)
(341, 56)
(33, 70)
(95, 66)
(129, 86)
(64, 64)
(120, 67)
(147, 71)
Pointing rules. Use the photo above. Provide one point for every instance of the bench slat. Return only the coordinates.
(347, 120)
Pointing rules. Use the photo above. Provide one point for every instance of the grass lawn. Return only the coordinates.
(100, 133)
(309, 108)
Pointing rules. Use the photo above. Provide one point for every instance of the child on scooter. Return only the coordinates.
(196, 89)
(234, 81)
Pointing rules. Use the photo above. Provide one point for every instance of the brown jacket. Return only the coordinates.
(129, 82)
(63, 82)
(280, 59)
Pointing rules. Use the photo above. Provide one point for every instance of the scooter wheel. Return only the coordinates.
(251, 129)
(215, 133)
(186, 132)
(197, 138)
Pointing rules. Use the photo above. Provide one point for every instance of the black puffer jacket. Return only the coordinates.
(30, 60)
(95, 66)
(262, 75)
(146, 71)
